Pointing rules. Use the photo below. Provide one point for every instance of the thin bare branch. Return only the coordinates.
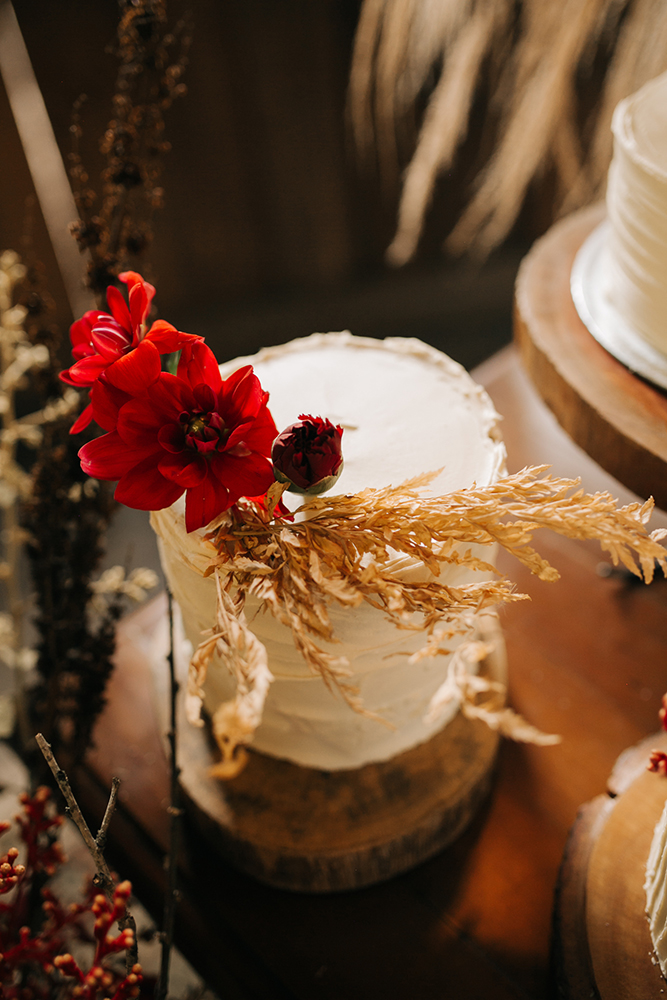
(101, 837)
(104, 879)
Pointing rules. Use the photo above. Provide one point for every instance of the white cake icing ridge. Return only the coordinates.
(407, 409)
(656, 891)
(636, 272)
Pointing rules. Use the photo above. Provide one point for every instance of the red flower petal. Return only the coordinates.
(162, 403)
(119, 310)
(170, 394)
(257, 435)
(167, 338)
(83, 351)
(88, 370)
(198, 364)
(108, 339)
(135, 371)
(82, 421)
(242, 396)
(242, 477)
(79, 331)
(144, 488)
(205, 397)
(187, 468)
(138, 306)
(171, 437)
(67, 379)
(132, 278)
(204, 502)
(106, 401)
(109, 457)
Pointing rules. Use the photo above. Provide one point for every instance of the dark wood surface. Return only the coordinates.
(616, 417)
(586, 659)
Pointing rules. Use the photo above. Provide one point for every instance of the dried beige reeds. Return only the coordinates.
(546, 109)
(344, 552)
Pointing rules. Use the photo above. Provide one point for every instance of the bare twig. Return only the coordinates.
(104, 879)
(175, 813)
(101, 837)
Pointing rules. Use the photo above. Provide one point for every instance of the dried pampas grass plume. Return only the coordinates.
(531, 56)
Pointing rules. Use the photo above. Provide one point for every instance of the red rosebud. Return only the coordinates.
(658, 762)
(308, 455)
(118, 346)
(662, 713)
(189, 433)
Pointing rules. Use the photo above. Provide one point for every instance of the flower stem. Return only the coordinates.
(175, 813)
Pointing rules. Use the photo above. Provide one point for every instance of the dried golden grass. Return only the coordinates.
(532, 56)
(344, 552)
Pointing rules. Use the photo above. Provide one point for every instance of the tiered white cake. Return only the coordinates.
(406, 409)
(636, 282)
(656, 891)
(619, 281)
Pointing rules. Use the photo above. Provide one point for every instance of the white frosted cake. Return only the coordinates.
(619, 277)
(656, 891)
(637, 210)
(406, 409)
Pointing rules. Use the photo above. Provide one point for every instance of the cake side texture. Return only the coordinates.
(636, 272)
(406, 410)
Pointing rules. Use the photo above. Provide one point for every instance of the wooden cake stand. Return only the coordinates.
(602, 945)
(616, 417)
(320, 831)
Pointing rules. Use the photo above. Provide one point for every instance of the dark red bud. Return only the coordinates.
(308, 455)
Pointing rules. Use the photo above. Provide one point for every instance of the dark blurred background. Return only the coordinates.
(272, 228)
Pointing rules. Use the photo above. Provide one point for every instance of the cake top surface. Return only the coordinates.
(640, 126)
(405, 408)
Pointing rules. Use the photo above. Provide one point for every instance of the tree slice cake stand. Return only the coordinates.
(308, 830)
(602, 947)
(619, 419)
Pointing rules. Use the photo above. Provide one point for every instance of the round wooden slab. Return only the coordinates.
(615, 416)
(321, 831)
(603, 945)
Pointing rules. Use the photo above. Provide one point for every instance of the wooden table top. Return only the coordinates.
(586, 659)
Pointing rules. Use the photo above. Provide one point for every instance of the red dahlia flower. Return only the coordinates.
(307, 455)
(118, 345)
(192, 433)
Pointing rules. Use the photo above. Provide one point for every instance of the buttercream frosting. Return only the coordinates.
(656, 891)
(636, 265)
(406, 409)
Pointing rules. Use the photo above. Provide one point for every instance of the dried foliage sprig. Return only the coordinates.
(152, 60)
(22, 358)
(36, 947)
(66, 516)
(479, 697)
(344, 549)
(59, 516)
(531, 59)
(234, 722)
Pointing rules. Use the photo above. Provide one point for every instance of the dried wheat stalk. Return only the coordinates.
(531, 56)
(342, 552)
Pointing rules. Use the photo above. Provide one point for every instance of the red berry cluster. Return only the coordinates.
(38, 964)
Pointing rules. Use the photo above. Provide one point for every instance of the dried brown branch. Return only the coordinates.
(152, 60)
(101, 837)
(104, 879)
